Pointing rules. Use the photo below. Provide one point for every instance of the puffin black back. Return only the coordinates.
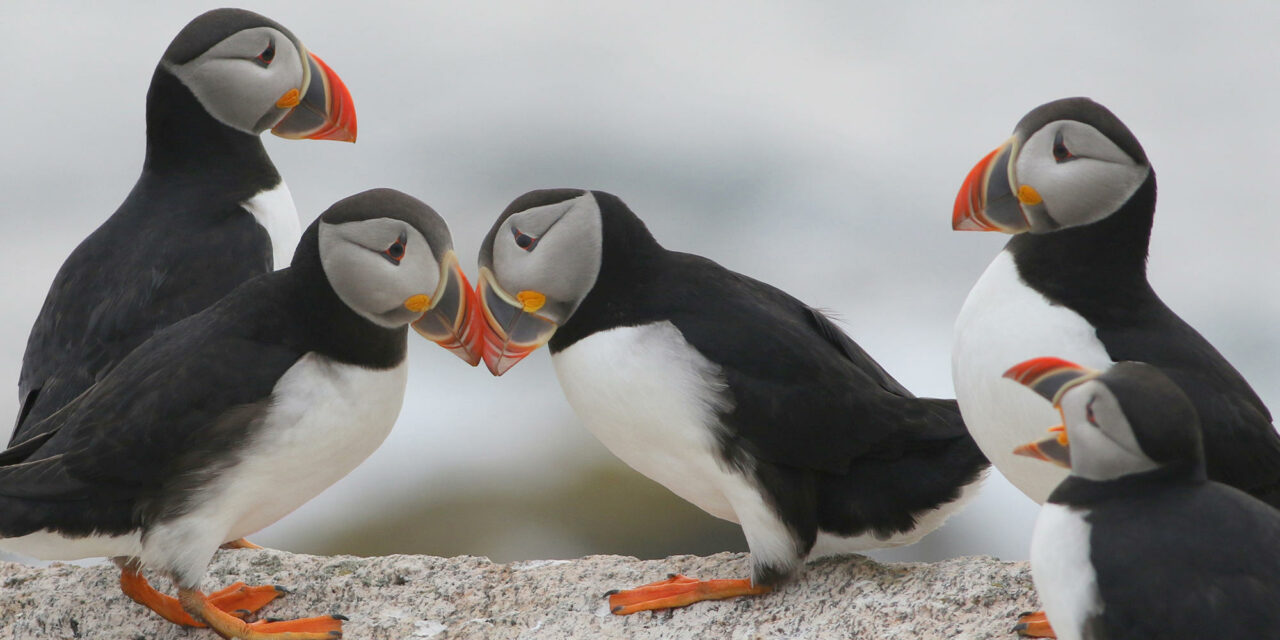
(196, 222)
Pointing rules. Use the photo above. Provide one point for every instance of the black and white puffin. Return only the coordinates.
(732, 394)
(226, 421)
(1077, 192)
(208, 212)
(1136, 542)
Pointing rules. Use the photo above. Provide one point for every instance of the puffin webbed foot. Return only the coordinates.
(239, 599)
(678, 591)
(1034, 624)
(239, 543)
(201, 607)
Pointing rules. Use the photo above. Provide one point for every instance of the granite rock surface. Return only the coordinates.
(421, 597)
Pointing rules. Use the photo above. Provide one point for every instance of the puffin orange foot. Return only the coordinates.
(678, 591)
(134, 585)
(238, 600)
(229, 626)
(239, 543)
(241, 599)
(1034, 625)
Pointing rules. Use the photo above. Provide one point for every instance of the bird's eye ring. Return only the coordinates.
(395, 252)
(524, 240)
(267, 55)
(1060, 152)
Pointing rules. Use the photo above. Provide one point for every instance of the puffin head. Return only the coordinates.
(537, 264)
(252, 74)
(389, 257)
(1070, 162)
(1129, 419)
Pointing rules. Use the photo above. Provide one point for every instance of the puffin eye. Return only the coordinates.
(1088, 414)
(1060, 152)
(267, 55)
(524, 240)
(395, 253)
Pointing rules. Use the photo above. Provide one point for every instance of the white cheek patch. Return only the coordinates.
(234, 88)
(368, 283)
(1107, 451)
(1087, 188)
(564, 262)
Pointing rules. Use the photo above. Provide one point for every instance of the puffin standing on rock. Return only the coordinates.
(1075, 189)
(208, 212)
(224, 422)
(1136, 542)
(732, 394)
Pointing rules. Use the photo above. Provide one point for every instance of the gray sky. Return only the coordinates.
(815, 146)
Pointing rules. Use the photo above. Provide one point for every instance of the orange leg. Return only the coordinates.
(240, 543)
(229, 626)
(238, 599)
(678, 591)
(1034, 625)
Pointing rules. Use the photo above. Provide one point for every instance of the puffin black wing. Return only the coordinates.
(841, 340)
(142, 270)
(812, 416)
(171, 407)
(803, 394)
(1220, 577)
(1242, 447)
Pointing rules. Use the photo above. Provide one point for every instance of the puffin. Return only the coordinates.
(209, 211)
(731, 393)
(1076, 191)
(224, 422)
(1137, 542)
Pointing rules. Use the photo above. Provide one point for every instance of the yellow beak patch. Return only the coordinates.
(418, 303)
(1028, 195)
(289, 100)
(531, 301)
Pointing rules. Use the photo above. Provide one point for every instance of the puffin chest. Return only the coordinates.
(653, 401)
(323, 420)
(1062, 569)
(1004, 322)
(274, 211)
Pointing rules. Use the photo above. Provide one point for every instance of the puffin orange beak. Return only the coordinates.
(1050, 377)
(1054, 449)
(511, 327)
(986, 202)
(324, 110)
(450, 320)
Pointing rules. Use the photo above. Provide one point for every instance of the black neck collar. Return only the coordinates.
(629, 256)
(1082, 492)
(327, 325)
(184, 140)
(1096, 269)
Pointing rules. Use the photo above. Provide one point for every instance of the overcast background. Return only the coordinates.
(815, 146)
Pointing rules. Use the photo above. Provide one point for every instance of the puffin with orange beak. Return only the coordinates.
(209, 211)
(222, 424)
(732, 394)
(1136, 541)
(1076, 191)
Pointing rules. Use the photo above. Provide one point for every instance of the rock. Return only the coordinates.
(420, 597)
